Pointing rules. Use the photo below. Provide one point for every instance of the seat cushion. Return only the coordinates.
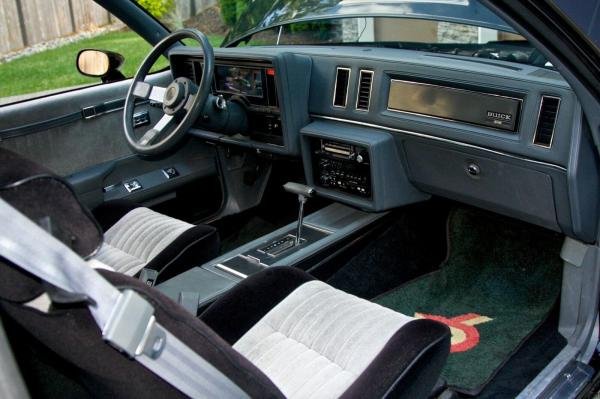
(62, 353)
(320, 342)
(145, 238)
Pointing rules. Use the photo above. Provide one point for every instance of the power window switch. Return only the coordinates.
(132, 185)
(170, 173)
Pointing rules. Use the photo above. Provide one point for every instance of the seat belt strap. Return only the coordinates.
(125, 318)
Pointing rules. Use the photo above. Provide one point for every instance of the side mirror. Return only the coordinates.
(100, 64)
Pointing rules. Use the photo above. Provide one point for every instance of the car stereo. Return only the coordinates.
(341, 166)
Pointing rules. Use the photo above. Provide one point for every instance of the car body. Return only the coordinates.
(400, 115)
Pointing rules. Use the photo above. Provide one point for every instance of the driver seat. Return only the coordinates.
(135, 237)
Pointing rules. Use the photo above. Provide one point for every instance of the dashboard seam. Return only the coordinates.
(442, 139)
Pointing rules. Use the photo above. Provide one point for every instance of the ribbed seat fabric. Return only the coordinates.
(137, 238)
(318, 340)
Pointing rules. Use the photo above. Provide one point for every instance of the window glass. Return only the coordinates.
(39, 42)
(214, 18)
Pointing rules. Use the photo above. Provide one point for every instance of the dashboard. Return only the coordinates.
(380, 128)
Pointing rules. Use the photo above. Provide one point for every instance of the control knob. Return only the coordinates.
(361, 157)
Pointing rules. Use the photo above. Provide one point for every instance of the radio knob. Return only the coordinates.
(361, 157)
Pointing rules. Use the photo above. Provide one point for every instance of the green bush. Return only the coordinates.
(231, 10)
(158, 8)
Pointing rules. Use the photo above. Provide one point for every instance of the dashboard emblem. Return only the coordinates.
(499, 116)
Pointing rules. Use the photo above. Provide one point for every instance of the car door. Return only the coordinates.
(77, 132)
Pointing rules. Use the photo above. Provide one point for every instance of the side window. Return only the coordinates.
(40, 40)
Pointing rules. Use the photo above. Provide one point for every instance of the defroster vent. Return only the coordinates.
(544, 132)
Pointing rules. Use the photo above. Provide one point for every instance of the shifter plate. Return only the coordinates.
(280, 245)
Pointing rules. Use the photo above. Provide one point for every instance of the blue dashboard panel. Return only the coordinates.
(416, 154)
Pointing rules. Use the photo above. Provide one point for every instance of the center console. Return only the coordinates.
(321, 231)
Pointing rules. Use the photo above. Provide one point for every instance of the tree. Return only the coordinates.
(158, 8)
(231, 10)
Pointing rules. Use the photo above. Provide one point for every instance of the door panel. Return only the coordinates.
(193, 161)
(92, 153)
(77, 143)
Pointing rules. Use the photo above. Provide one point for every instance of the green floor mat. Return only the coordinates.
(498, 284)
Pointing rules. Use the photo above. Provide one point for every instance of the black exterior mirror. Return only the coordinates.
(100, 64)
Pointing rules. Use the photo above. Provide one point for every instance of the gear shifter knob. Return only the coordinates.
(299, 189)
(304, 192)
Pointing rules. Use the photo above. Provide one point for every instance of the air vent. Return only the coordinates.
(340, 91)
(365, 82)
(187, 70)
(544, 131)
(192, 69)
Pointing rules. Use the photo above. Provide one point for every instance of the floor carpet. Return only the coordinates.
(498, 284)
(413, 244)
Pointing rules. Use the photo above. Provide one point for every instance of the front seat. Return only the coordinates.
(135, 237)
(279, 333)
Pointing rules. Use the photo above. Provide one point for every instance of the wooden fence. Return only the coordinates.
(24, 23)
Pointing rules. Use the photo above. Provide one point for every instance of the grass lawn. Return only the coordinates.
(55, 68)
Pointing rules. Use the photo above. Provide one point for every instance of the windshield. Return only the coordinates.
(263, 14)
(458, 27)
(399, 33)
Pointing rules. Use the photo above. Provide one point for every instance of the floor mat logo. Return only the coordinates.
(464, 334)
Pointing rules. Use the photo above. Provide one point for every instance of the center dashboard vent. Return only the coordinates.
(365, 84)
(340, 91)
(546, 124)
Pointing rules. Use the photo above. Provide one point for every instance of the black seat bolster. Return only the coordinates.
(232, 315)
(409, 364)
(193, 247)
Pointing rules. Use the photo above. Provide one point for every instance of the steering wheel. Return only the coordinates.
(181, 100)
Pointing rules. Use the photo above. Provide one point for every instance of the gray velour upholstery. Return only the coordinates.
(137, 238)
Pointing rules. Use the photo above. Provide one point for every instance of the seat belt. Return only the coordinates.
(125, 318)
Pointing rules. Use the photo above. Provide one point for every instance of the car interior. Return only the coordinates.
(312, 221)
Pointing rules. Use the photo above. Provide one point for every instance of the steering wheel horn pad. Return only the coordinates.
(177, 94)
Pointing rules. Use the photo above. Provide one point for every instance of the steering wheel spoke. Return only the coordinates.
(151, 135)
(146, 91)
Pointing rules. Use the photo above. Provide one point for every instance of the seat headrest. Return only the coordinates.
(49, 201)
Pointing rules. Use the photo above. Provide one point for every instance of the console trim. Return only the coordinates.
(441, 139)
(229, 270)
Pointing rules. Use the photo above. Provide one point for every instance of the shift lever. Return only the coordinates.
(304, 193)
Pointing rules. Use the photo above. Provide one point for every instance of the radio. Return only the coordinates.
(341, 166)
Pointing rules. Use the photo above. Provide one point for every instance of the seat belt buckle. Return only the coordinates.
(189, 301)
(132, 328)
(148, 276)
